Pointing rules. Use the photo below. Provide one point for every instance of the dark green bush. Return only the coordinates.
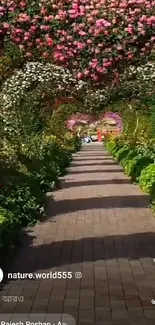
(23, 186)
(115, 150)
(131, 154)
(9, 230)
(25, 204)
(140, 164)
(122, 153)
(74, 143)
(133, 165)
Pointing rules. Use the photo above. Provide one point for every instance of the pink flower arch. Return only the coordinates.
(77, 119)
(116, 117)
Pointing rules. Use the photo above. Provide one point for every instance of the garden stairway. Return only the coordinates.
(98, 224)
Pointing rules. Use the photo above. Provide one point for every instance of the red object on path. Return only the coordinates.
(99, 136)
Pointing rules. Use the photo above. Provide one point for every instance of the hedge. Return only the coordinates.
(140, 168)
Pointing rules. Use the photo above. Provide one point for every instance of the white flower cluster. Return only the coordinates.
(96, 97)
(35, 73)
(37, 76)
(61, 81)
(138, 81)
(144, 72)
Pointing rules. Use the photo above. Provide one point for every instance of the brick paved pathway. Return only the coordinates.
(98, 224)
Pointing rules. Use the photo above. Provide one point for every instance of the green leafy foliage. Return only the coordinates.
(122, 153)
(130, 155)
(9, 229)
(147, 179)
(137, 160)
(32, 170)
(140, 164)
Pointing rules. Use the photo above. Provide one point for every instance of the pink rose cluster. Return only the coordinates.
(116, 117)
(94, 39)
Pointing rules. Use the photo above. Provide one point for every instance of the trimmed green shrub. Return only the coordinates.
(147, 179)
(137, 163)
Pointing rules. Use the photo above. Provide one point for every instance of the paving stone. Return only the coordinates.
(98, 224)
